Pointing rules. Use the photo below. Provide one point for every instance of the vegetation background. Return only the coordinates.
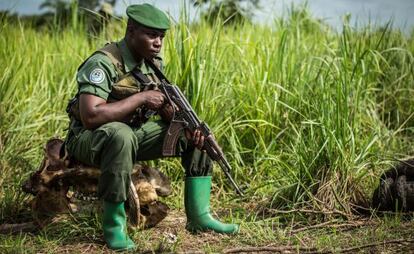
(308, 117)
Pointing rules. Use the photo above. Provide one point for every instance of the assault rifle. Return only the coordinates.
(184, 117)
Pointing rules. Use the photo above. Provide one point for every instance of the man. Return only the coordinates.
(111, 130)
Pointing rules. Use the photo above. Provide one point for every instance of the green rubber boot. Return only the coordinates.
(114, 227)
(197, 207)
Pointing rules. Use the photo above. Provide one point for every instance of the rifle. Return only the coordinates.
(184, 117)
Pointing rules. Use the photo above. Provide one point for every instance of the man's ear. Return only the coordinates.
(130, 28)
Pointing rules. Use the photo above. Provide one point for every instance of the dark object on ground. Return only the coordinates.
(59, 181)
(18, 228)
(396, 189)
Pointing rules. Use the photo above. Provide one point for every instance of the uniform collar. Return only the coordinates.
(129, 61)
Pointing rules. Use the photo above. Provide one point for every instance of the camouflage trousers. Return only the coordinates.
(115, 147)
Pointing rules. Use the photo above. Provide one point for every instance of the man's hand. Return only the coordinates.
(166, 112)
(197, 138)
(154, 99)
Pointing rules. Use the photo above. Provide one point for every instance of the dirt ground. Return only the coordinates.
(391, 234)
(170, 236)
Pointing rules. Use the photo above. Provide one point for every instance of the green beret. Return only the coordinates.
(149, 16)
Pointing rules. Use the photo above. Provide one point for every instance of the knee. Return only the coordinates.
(121, 136)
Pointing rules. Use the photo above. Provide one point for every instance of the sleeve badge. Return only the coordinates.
(97, 76)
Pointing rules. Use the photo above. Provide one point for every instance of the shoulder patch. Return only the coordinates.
(97, 76)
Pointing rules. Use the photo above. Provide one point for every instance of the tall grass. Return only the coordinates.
(304, 114)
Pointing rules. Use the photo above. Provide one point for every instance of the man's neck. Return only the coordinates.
(135, 55)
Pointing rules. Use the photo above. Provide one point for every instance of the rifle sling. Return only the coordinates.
(157, 71)
(138, 75)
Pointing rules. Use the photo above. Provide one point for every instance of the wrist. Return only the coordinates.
(142, 98)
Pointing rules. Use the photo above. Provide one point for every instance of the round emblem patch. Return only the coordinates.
(97, 76)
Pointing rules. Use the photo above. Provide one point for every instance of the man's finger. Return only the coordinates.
(194, 137)
(201, 144)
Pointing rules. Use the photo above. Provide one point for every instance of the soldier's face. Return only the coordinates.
(147, 42)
